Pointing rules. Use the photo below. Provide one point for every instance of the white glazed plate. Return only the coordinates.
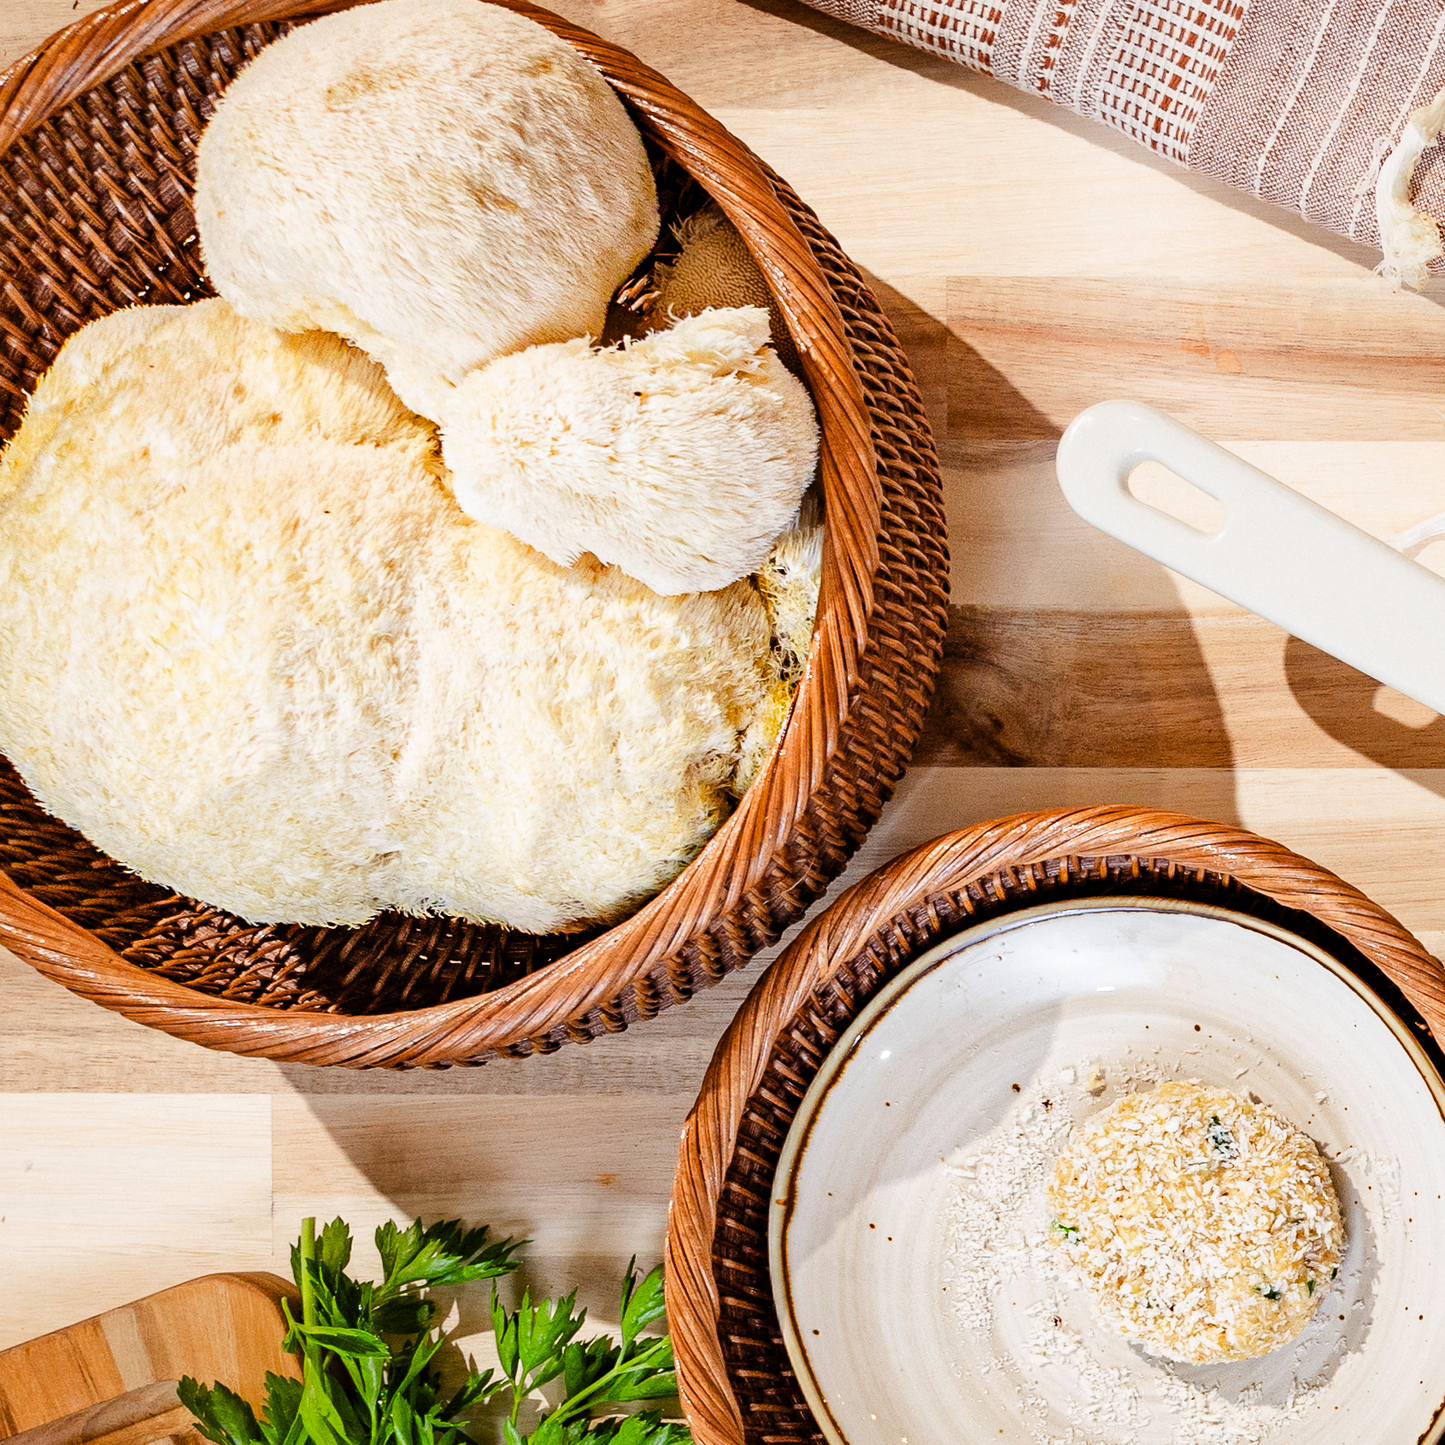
(920, 1299)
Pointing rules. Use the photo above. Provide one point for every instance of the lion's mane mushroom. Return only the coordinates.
(679, 457)
(439, 181)
(255, 651)
(459, 193)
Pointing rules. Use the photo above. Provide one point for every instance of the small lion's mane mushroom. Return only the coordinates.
(440, 181)
(679, 457)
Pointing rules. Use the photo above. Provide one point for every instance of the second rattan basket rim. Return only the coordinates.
(103, 44)
(896, 910)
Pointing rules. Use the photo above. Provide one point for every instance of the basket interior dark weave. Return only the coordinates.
(760, 1375)
(94, 215)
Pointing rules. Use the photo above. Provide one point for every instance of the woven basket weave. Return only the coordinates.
(97, 135)
(736, 1380)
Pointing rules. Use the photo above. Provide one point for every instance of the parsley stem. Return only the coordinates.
(309, 1361)
(568, 1409)
(308, 1258)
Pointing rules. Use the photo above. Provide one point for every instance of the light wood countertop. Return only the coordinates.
(1033, 264)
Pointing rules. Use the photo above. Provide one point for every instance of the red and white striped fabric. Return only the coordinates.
(1295, 101)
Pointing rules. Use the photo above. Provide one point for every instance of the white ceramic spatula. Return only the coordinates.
(1277, 553)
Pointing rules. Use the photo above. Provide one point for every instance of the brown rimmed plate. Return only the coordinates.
(917, 1292)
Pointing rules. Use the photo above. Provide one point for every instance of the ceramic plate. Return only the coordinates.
(920, 1299)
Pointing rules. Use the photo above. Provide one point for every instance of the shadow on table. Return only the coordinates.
(584, 1180)
(1346, 704)
(1065, 649)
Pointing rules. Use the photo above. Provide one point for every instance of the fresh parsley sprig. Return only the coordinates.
(368, 1375)
(535, 1344)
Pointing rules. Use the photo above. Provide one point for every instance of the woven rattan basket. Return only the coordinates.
(737, 1383)
(97, 133)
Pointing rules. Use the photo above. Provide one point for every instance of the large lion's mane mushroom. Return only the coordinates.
(254, 650)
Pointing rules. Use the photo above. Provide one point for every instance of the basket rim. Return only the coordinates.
(899, 894)
(103, 44)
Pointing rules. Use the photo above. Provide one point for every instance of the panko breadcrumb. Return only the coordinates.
(1205, 1227)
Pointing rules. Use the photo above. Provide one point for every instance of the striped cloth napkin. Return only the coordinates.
(1327, 107)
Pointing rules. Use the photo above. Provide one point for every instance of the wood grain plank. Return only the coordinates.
(220, 1327)
(108, 1197)
(25, 23)
(52, 1041)
(1022, 687)
(948, 184)
(1327, 358)
(1015, 541)
(114, 1373)
(1379, 829)
(59, 1373)
(577, 1176)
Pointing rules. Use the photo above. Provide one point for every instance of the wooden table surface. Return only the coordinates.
(1033, 264)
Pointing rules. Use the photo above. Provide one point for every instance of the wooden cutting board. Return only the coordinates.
(225, 1327)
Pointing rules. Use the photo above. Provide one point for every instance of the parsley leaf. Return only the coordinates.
(535, 1347)
(369, 1349)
